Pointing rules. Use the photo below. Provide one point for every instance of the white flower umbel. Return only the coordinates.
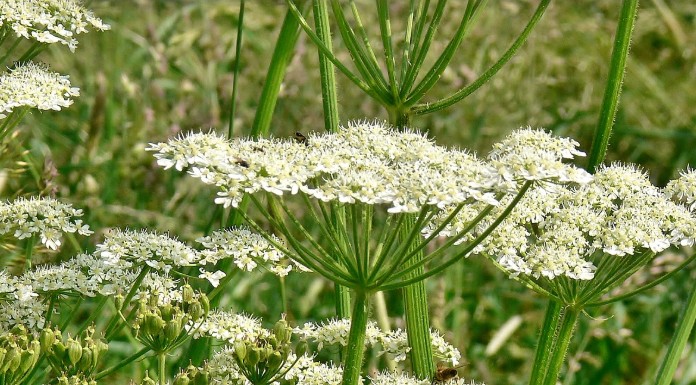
(228, 327)
(389, 378)
(247, 249)
(394, 343)
(48, 21)
(363, 165)
(45, 218)
(577, 243)
(683, 189)
(33, 86)
(344, 179)
(29, 312)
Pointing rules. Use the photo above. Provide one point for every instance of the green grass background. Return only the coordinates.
(166, 67)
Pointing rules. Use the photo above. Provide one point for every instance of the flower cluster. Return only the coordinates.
(683, 189)
(229, 327)
(395, 343)
(48, 21)
(247, 249)
(371, 163)
(45, 217)
(34, 86)
(560, 231)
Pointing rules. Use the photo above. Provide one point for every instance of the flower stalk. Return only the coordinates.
(352, 365)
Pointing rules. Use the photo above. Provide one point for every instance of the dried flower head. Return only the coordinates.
(34, 86)
(48, 21)
(46, 218)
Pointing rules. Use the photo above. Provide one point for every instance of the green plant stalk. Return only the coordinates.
(681, 336)
(237, 58)
(415, 295)
(330, 103)
(544, 344)
(29, 252)
(162, 367)
(617, 68)
(559, 349)
(284, 49)
(352, 365)
(121, 364)
(417, 314)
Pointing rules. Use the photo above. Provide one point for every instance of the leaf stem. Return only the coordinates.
(617, 68)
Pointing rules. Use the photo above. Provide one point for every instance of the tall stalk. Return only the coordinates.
(330, 103)
(352, 365)
(557, 330)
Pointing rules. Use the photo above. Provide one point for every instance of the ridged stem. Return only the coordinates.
(617, 68)
(681, 336)
(352, 366)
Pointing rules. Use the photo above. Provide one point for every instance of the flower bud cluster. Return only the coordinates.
(192, 375)
(45, 218)
(162, 327)
(19, 353)
(77, 357)
(75, 379)
(48, 21)
(263, 361)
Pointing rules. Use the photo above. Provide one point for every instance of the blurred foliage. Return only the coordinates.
(166, 68)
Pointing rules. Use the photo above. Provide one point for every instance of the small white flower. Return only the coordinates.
(212, 277)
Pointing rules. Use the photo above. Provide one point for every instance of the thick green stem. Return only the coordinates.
(543, 348)
(559, 348)
(610, 104)
(330, 102)
(284, 49)
(681, 336)
(162, 368)
(352, 366)
(417, 316)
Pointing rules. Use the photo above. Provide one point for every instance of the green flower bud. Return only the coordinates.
(253, 357)
(46, 339)
(16, 360)
(182, 379)
(74, 351)
(274, 361)
(205, 303)
(118, 301)
(167, 312)
(172, 330)
(281, 330)
(63, 380)
(273, 341)
(301, 348)
(7, 361)
(240, 350)
(196, 311)
(86, 362)
(201, 378)
(27, 360)
(187, 293)
(60, 350)
(154, 324)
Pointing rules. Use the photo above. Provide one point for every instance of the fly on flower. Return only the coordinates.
(444, 374)
(241, 162)
(300, 138)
